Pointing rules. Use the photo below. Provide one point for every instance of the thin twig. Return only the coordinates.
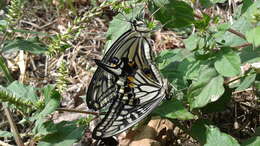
(78, 111)
(243, 45)
(230, 29)
(237, 78)
(14, 129)
(237, 33)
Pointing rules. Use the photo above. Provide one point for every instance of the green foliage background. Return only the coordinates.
(203, 74)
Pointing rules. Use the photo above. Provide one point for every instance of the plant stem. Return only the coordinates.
(5, 69)
(17, 137)
(78, 111)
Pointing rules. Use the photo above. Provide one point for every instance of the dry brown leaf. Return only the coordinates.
(157, 132)
(145, 142)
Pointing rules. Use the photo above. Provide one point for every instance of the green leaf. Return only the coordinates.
(172, 13)
(171, 65)
(120, 24)
(167, 57)
(23, 91)
(191, 42)
(221, 104)
(246, 82)
(228, 62)
(249, 55)
(210, 135)
(229, 39)
(206, 3)
(66, 134)
(253, 141)
(246, 5)
(216, 137)
(47, 92)
(252, 13)
(209, 3)
(208, 88)
(51, 104)
(174, 109)
(5, 134)
(202, 23)
(252, 36)
(32, 45)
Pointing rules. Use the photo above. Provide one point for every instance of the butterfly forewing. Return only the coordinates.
(132, 45)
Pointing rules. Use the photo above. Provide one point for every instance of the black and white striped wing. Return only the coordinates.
(132, 45)
(122, 115)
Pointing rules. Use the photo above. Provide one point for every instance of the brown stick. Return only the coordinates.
(78, 111)
(237, 33)
(17, 137)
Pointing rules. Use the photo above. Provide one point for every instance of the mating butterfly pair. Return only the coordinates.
(126, 85)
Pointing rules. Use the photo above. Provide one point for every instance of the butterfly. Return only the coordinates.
(126, 85)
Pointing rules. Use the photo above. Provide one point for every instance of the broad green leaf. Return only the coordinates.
(207, 89)
(253, 141)
(249, 55)
(66, 134)
(252, 13)
(216, 137)
(171, 65)
(51, 104)
(47, 92)
(172, 13)
(43, 127)
(246, 5)
(223, 26)
(221, 104)
(246, 82)
(120, 24)
(174, 109)
(210, 135)
(167, 57)
(32, 45)
(5, 134)
(23, 91)
(252, 36)
(228, 62)
(191, 42)
(229, 39)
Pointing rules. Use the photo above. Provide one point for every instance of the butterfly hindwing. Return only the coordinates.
(122, 116)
